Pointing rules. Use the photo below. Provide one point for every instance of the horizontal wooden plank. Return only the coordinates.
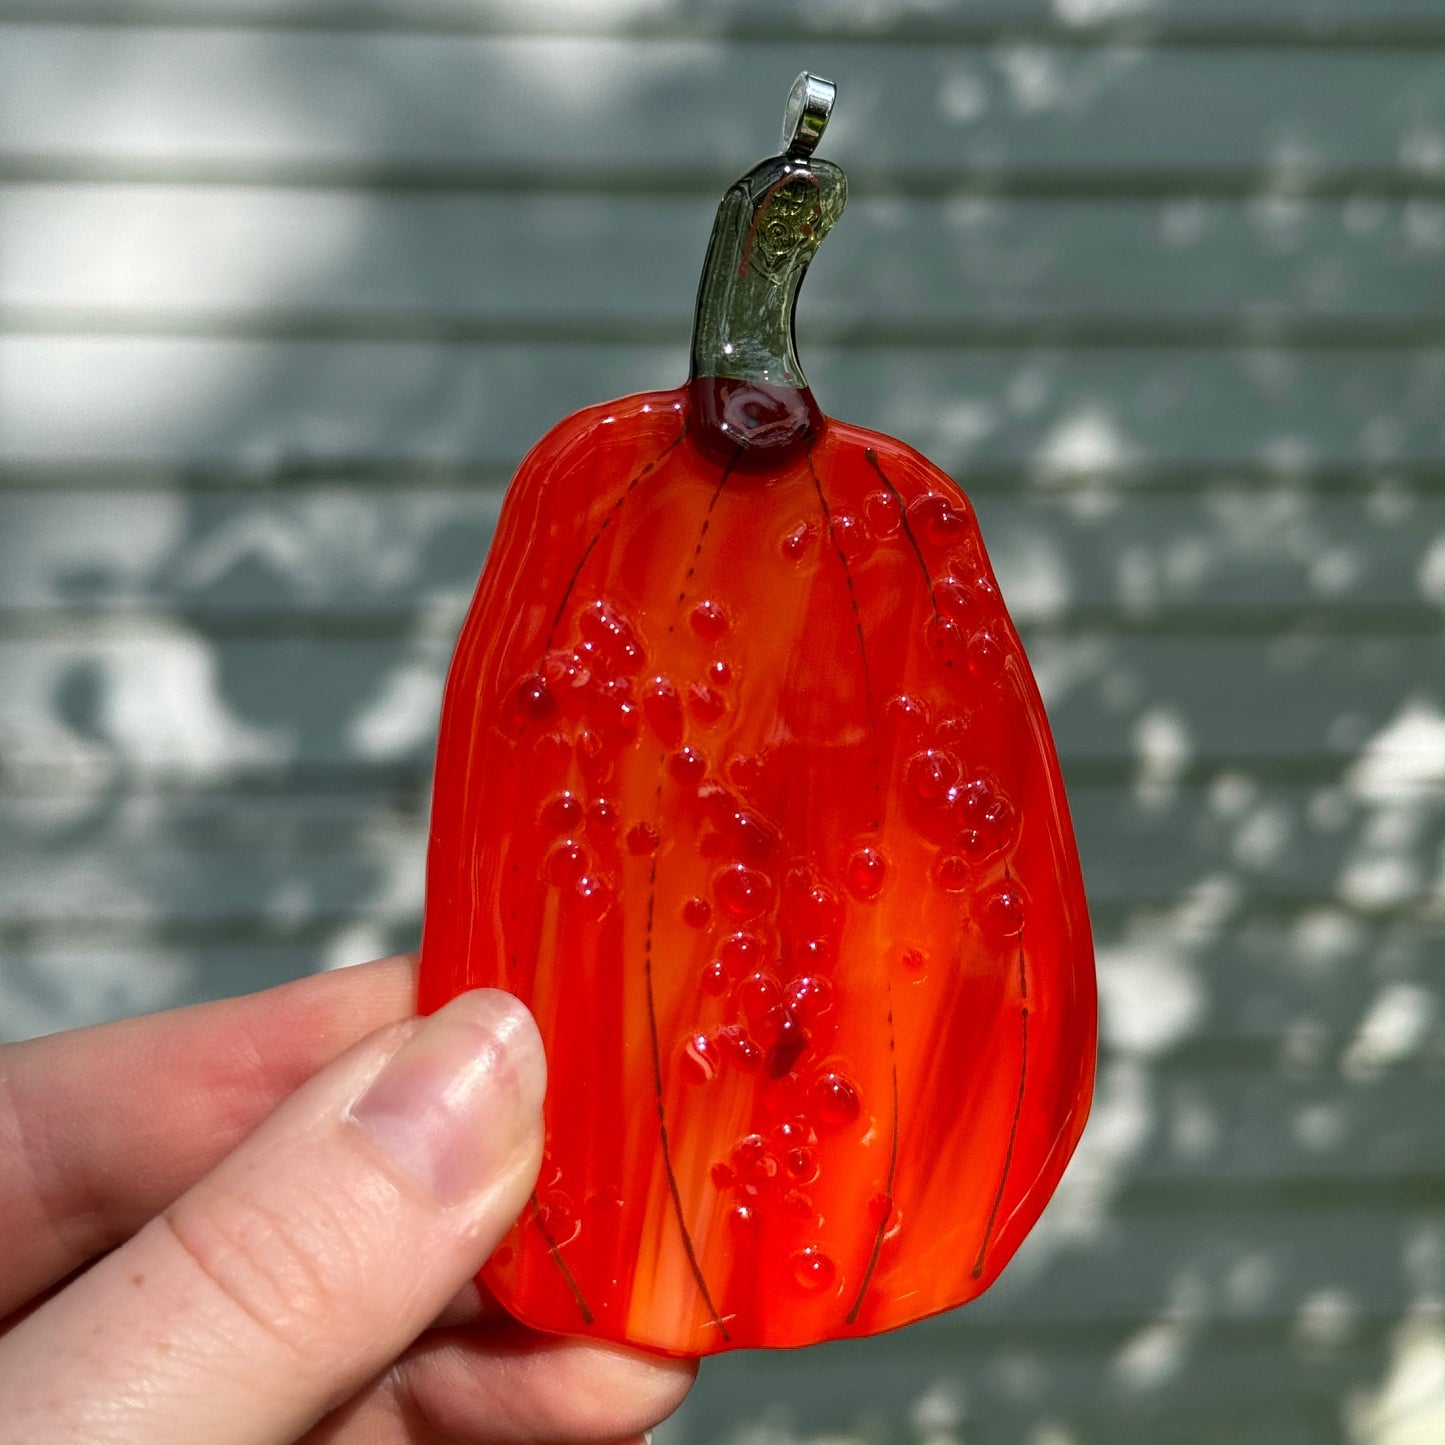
(369, 881)
(47, 984)
(1179, 1379)
(1053, 411)
(174, 701)
(1178, 21)
(407, 551)
(183, 705)
(499, 107)
(1231, 551)
(1232, 1128)
(1189, 991)
(1251, 1267)
(1192, 856)
(1106, 485)
(229, 893)
(131, 256)
(404, 552)
(1220, 1149)
(1162, 1124)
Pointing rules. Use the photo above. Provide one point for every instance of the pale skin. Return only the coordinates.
(259, 1221)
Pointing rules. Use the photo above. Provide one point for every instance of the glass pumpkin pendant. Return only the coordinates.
(745, 787)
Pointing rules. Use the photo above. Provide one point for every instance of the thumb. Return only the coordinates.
(306, 1261)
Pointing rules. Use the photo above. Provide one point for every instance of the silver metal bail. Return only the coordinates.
(810, 103)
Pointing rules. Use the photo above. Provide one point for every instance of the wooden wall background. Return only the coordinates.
(290, 285)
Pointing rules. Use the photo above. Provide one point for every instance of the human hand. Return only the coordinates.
(257, 1221)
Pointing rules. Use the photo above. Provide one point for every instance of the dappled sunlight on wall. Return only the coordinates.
(1158, 282)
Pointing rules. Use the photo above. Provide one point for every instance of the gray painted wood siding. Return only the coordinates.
(287, 289)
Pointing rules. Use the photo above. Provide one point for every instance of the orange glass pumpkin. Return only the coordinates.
(744, 786)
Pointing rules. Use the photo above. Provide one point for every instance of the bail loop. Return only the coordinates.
(810, 103)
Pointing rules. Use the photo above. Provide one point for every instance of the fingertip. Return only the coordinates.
(510, 1021)
(458, 1107)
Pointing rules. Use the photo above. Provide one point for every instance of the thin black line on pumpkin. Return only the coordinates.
(556, 1253)
(687, 577)
(606, 522)
(872, 459)
(687, 1241)
(877, 823)
(852, 1316)
(1018, 1106)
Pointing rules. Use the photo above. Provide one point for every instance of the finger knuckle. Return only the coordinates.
(281, 1277)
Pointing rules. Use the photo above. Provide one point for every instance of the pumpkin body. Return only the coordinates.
(745, 788)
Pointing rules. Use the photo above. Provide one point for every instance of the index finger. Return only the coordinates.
(102, 1128)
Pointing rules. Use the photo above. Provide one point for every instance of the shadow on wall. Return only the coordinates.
(249, 502)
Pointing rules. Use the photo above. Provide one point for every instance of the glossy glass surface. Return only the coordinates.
(744, 785)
